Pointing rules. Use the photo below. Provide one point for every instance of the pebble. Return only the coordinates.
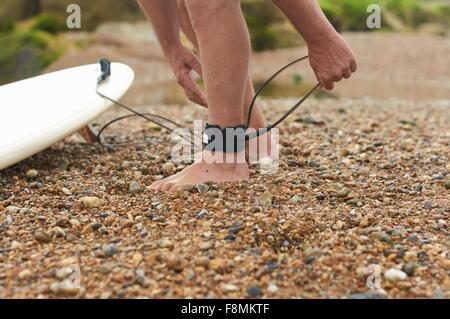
(110, 250)
(314, 252)
(205, 245)
(91, 202)
(127, 224)
(62, 222)
(24, 274)
(66, 191)
(229, 288)
(135, 187)
(43, 236)
(447, 184)
(64, 288)
(438, 177)
(202, 213)
(254, 292)
(381, 236)
(343, 192)
(409, 268)
(175, 262)
(369, 295)
(264, 200)
(32, 173)
(394, 275)
(202, 188)
(295, 199)
(12, 209)
(428, 205)
(166, 243)
(75, 223)
(272, 288)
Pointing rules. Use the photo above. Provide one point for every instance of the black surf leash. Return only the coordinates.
(211, 130)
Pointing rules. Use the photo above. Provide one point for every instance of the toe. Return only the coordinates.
(178, 187)
(166, 187)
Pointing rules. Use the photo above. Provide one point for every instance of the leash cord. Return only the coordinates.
(148, 116)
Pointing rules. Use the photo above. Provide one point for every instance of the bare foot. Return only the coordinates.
(203, 172)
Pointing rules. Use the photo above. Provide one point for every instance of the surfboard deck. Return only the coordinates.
(41, 111)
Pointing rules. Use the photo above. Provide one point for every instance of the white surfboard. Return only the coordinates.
(39, 112)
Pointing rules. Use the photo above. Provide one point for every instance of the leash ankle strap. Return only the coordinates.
(226, 140)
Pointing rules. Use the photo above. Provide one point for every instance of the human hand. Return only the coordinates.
(331, 59)
(183, 61)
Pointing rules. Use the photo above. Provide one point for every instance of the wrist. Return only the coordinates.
(171, 47)
(321, 36)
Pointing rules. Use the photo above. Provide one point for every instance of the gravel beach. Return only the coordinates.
(359, 208)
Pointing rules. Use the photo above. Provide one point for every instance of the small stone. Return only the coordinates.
(71, 237)
(363, 171)
(295, 199)
(135, 187)
(254, 292)
(24, 274)
(42, 236)
(447, 184)
(166, 243)
(110, 250)
(62, 222)
(365, 222)
(202, 213)
(409, 268)
(369, 295)
(32, 173)
(272, 288)
(438, 177)
(321, 197)
(137, 258)
(264, 200)
(394, 275)
(202, 188)
(343, 192)
(229, 288)
(428, 205)
(339, 224)
(314, 252)
(65, 288)
(218, 265)
(205, 245)
(175, 262)
(91, 202)
(127, 224)
(12, 209)
(96, 226)
(381, 236)
(75, 223)
(66, 191)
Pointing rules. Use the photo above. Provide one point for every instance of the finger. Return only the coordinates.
(327, 83)
(192, 91)
(337, 77)
(347, 73)
(353, 65)
(195, 65)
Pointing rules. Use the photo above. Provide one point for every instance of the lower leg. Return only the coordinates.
(224, 46)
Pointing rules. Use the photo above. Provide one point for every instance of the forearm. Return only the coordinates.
(308, 18)
(163, 15)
